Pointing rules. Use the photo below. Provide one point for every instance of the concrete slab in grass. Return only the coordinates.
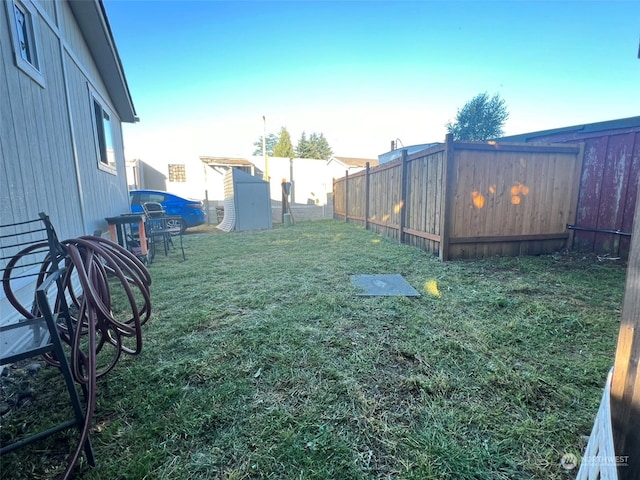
(383, 285)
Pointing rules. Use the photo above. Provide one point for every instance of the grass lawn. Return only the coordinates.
(260, 361)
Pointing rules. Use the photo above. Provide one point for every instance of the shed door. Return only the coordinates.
(252, 206)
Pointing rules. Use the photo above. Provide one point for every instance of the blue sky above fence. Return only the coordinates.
(203, 73)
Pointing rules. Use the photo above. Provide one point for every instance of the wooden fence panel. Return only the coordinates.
(625, 384)
(631, 196)
(424, 201)
(615, 189)
(386, 205)
(356, 199)
(608, 182)
(511, 200)
(465, 200)
(592, 174)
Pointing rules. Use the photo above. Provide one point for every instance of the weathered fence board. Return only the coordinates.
(462, 200)
(423, 207)
(609, 181)
(385, 208)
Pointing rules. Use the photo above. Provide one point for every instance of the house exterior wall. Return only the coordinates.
(311, 178)
(153, 173)
(196, 179)
(36, 151)
(141, 175)
(49, 157)
(104, 193)
(48, 153)
(214, 188)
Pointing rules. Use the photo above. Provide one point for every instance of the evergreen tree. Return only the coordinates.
(270, 144)
(323, 150)
(303, 147)
(283, 148)
(481, 118)
(316, 146)
(313, 146)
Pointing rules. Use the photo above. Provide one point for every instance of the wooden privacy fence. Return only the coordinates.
(609, 183)
(464, 200)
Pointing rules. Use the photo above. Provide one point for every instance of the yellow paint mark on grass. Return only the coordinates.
(431, 287)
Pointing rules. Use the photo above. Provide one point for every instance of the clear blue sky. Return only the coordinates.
(203, 73)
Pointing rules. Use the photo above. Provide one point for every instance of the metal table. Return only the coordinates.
(121, 230)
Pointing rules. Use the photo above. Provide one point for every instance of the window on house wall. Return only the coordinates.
(24, 37)
(177, 172)
(104, 137)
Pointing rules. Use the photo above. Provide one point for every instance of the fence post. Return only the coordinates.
(625, 383)
(333, 199)
(403, 194)
(346, 196)
(366, 197)
(445, 204)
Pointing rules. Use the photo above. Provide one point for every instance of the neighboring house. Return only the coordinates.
(609, 181)
(186, 176)
(340, 165)
(141, 175)
(63, 96)
(311, 179)
(397, 153)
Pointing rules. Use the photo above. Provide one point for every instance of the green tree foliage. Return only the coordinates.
(284, 147)
(316, 146)
(270, 145)
(303, 149)
(321, 148)
(481, 118)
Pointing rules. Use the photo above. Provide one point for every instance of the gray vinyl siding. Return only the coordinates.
(38, 128)
(104, 193)
(48, 153)
(48, 7)
(35, 149)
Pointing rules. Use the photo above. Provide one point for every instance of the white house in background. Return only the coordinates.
(311, 179)
(63, 96)
(185, 176)
(341, 165)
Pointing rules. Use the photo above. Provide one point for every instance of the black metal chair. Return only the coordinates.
(32, 266)
(161, 228)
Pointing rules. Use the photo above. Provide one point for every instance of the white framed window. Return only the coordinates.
(177, 172)
(24, 37)
(103, 132)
